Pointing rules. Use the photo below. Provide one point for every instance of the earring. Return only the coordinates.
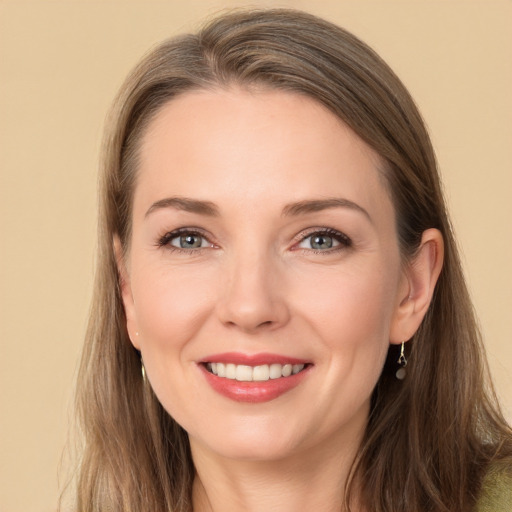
(143, 370)
(402, 362)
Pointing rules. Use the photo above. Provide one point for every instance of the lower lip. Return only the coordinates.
(254, 392)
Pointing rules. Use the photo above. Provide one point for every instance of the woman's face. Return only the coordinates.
(263, 241)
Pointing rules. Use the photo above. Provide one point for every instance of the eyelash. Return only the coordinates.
(343, 240)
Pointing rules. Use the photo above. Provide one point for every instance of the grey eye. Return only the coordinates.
(319, 242)
(189, 241)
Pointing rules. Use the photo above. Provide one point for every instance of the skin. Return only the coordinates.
(256, 285)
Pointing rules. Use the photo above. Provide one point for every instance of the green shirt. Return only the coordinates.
(496, 492)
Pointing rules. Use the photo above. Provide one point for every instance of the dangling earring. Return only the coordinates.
(143, 370)
(402, 362)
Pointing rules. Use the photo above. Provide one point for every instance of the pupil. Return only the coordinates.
(188, 241)
(321, 242)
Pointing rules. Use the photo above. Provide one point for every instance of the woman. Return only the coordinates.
(280, 320)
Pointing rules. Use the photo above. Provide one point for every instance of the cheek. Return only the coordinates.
(171, 304)
(353, 306)
(350, 315)
(171, 307)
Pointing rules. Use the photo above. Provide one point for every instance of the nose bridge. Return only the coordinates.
(252, 297)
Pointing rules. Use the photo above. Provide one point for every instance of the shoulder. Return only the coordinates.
(496, 491)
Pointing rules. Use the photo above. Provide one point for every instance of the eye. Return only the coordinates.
(189, 241)
(184, 240)
(324, 240)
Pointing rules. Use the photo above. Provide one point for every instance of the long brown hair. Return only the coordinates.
(430, 437)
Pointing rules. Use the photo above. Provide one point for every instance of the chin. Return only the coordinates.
(248, 440)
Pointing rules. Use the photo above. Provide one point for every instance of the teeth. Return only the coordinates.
(296, 368)
(230, 371)
(244, 373)
(276, 371)
(260, 373)
(287, 370)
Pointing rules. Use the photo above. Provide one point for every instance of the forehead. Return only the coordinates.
(245, 146)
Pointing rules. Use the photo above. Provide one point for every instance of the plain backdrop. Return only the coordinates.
(61, 63)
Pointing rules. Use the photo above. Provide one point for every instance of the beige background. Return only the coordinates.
(60, 65)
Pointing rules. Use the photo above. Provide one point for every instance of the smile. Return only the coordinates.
(260, 373)
(253, 378)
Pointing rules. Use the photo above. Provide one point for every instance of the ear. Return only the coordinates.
(126, 293)
(417, 288)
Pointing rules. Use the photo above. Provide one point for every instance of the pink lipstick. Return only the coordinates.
(253, 378)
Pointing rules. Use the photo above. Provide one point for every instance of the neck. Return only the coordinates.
(311, 480)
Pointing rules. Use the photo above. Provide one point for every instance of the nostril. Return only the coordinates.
(250, 327)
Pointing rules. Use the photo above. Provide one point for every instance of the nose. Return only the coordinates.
(253, 294)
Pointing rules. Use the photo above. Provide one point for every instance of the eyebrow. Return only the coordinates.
(291, 210)
(186, 204)
(317, 205)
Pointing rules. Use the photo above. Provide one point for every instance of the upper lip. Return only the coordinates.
(252, 359)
